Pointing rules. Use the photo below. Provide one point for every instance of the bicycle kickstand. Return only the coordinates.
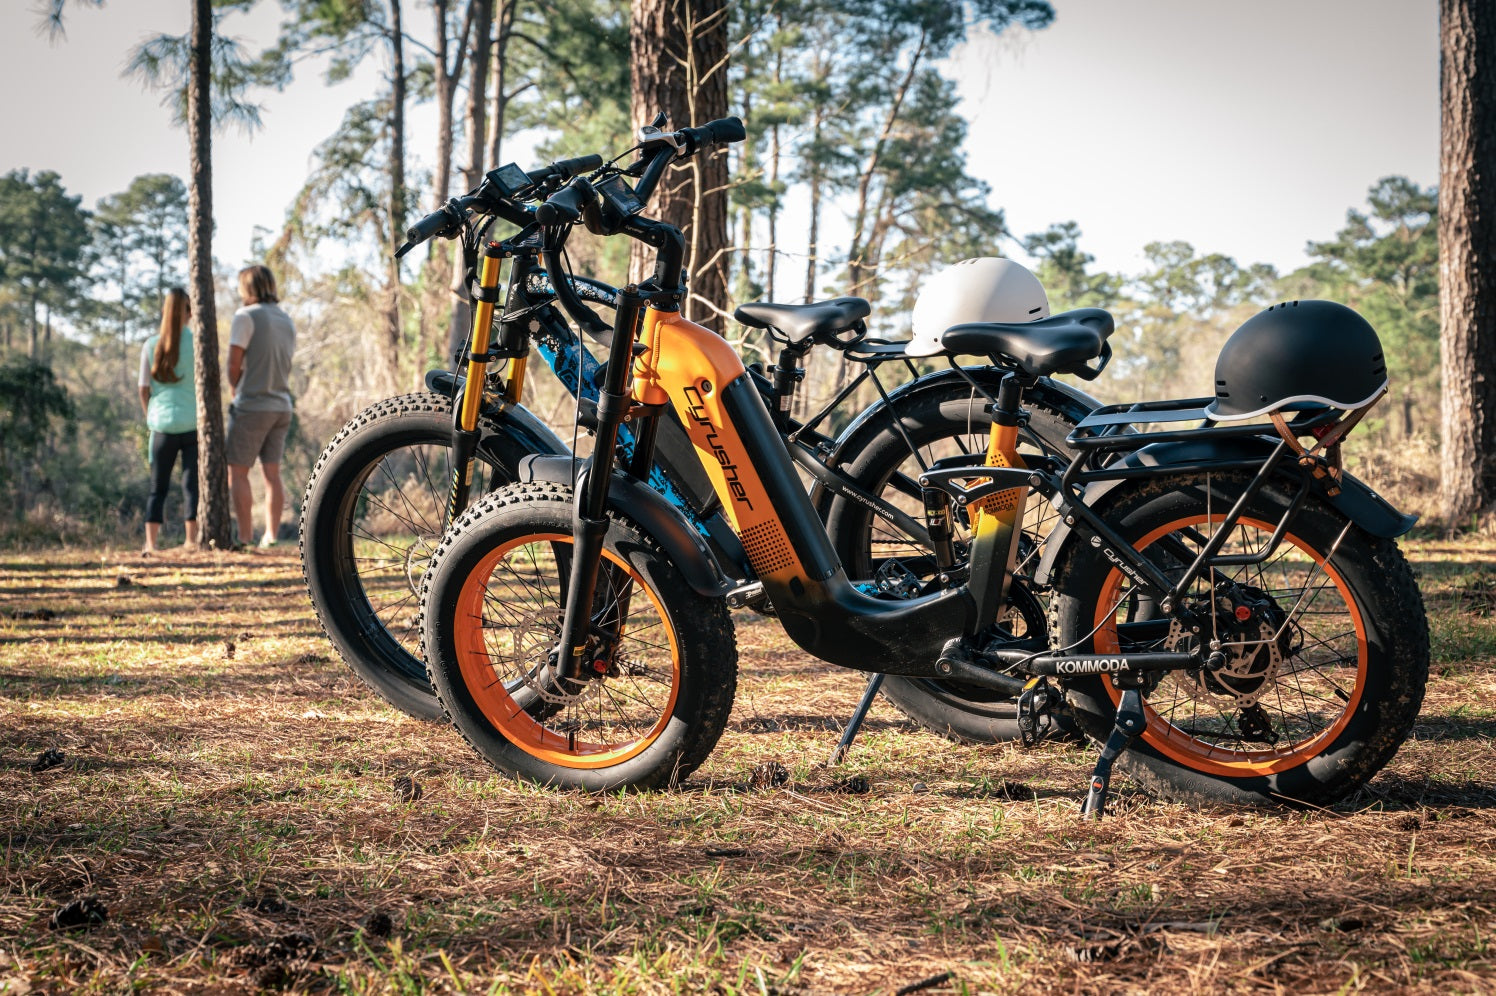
(855, 723)
(1130, 722)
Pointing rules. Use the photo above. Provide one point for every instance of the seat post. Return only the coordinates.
(1008, 410)
(787, 373)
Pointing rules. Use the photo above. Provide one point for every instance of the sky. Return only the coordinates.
(1242, 128)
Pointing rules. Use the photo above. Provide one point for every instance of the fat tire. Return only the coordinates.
(703, 627)
(1386, 596)
(343, 608)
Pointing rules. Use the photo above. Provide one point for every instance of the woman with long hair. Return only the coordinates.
(168, 394)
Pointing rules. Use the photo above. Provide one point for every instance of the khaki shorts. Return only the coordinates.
(255, 435)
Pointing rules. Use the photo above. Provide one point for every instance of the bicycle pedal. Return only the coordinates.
(1034, 719)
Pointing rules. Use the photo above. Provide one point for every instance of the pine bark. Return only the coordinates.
(774, 157)
(1467, 256)
(446, 90)
(678, 64)
(213, 514)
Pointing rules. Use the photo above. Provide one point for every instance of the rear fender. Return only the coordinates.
(1069, 401)
(1355, 501)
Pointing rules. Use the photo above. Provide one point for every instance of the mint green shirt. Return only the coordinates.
(173, 407)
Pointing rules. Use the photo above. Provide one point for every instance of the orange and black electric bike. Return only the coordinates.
(1229, 618)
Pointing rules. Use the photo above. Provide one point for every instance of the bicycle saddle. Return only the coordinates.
(1058, 344)
(799, 322)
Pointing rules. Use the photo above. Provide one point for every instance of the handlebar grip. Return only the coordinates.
(720, 132)
(726, 130)
(566, 204)
(433, 224)
(581, 164)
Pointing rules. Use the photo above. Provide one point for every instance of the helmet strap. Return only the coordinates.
(1323, 458)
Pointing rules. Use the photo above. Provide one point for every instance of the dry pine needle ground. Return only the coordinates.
(243, 815)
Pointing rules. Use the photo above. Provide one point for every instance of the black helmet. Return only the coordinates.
(1296, 354)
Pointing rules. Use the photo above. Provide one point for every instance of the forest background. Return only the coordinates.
(856, 159)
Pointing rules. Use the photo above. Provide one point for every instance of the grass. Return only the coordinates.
(227, 793)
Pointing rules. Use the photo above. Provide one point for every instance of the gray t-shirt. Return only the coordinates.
(268, 339)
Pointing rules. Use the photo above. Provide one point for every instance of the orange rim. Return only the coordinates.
(1319, 713)
(508, 618)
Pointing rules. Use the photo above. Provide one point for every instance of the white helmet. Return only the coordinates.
(985, 289)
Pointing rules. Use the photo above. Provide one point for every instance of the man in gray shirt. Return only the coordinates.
(262, 341)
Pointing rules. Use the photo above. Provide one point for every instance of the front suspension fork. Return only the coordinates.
(589, 517)
(470, 402)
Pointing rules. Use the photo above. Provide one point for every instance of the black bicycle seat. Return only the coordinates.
(1058, 344)
(798, 322)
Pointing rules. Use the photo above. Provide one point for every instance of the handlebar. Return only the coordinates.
(566, 205)
(443, 221)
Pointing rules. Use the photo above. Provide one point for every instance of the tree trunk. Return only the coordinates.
(774, 157)
(438, 263)
(811, 245)
(214, 518)
(397, 189)
(678, 64)
(746, 168)
(477, 99)
(504, 25)
(446, 90)
(1467, 256)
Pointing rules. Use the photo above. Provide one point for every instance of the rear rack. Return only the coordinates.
(1107, 428)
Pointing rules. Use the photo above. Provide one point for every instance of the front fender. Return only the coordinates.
(518, 421)
(643, 505)
(1356, 501)
(523, 425)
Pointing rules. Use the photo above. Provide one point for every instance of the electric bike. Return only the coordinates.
(385, 487)
(1231, 615)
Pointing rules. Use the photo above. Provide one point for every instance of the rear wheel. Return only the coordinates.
(661, 660)
(371, 516)
(1326, 643)
(942, 422)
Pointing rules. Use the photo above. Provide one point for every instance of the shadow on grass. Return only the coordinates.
(1400, 792)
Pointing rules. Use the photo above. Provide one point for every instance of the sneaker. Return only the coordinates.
(267, 541)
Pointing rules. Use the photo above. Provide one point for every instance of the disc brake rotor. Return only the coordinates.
(535, 636)
(1253, 662)
(417, 556)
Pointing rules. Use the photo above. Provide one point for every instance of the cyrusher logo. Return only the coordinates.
(696, 409)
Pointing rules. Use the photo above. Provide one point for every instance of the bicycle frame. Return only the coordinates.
(531, 296)
(694, 370)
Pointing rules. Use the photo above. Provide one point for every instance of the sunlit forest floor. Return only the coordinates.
(226, 793)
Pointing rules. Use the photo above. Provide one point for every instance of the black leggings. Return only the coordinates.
(164, 449)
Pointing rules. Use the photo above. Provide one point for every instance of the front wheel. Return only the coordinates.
(661, 661)
(1326, 645)
(373, 512)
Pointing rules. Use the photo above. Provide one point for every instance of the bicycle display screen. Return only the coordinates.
(510, 179)
(619, 196)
